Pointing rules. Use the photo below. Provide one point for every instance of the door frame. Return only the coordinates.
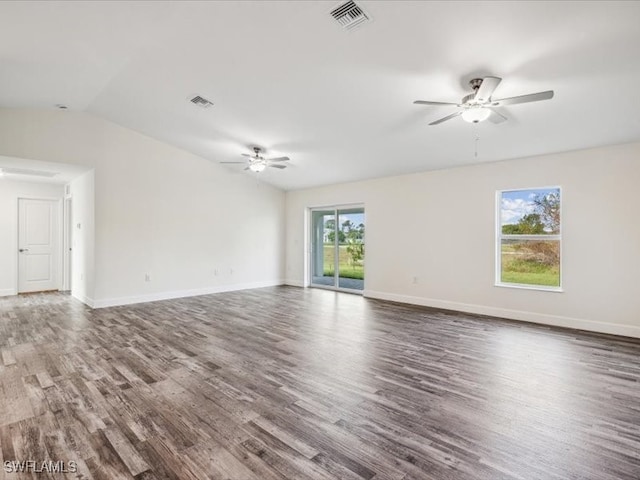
(67, 241)
(309, 248)
(58, 238)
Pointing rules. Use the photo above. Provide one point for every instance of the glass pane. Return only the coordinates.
(323, 248)
(530, 212)
(530, 262)
(351, 248)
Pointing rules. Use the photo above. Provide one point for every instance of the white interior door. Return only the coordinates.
(37, 245)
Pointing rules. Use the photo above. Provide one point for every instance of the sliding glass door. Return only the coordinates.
(337, 248)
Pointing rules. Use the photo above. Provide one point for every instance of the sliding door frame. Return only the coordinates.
(336, 255)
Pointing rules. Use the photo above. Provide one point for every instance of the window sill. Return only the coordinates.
(530, 287)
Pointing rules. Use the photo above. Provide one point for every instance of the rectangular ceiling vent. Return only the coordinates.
(349, 15)
(24, 171)
(201, 102)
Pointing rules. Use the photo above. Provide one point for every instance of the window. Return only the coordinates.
(529, 238)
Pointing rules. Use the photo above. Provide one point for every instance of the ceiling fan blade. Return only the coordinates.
(278, 159)
(486, 89)
(496, 117)
(441, 104)
(532, 97)
(444, 119)
(278, 166)
(234, 162)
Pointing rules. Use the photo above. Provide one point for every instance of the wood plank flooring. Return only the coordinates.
(288, 383)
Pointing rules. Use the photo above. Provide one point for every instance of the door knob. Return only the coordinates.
(23, 250)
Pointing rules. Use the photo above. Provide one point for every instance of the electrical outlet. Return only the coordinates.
(415, 280)
(215, 272)
(147, 277)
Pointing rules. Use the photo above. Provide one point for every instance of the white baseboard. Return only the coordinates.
(89, 302)
(541, 318)
(294, 283)
(154, 297)
(8, 291)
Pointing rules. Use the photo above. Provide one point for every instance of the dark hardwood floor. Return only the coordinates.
(310, 384)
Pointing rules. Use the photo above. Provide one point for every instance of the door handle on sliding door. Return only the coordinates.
(23, 250)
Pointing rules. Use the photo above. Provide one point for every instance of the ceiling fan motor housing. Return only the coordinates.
(475, 83)
(467, 98)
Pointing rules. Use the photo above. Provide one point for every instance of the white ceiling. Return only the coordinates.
(283, 76)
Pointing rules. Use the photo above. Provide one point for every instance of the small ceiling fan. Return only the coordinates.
(258, 163)
(479, 106)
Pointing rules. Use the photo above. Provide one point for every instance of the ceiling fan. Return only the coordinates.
(479, 106)
(258, 163)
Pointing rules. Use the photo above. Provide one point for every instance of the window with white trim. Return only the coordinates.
(528, 240)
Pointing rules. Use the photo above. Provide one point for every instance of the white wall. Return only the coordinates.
(159, 211)
(181, 219)
(10, 191)
(82, 190)
(440, 227)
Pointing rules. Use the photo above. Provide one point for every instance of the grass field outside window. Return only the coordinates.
(347, 268)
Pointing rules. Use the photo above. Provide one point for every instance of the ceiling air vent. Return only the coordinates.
(201, 102)
(24, 171)
(349, 15)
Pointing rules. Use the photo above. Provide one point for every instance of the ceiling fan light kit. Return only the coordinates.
(257, 167)
(476, 114)
(479, 106)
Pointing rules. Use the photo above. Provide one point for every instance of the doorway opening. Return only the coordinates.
(44, 206)
(338, 248)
